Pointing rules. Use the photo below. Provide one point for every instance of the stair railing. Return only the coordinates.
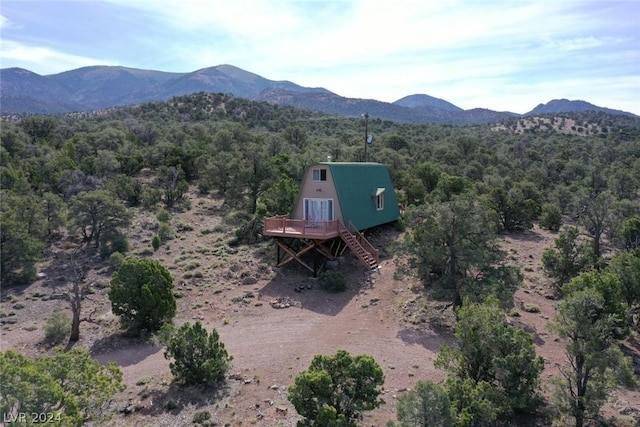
(363, 241)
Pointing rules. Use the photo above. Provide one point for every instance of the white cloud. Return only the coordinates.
(43, 60)
(238, 18)
(280, 35)
(582, 43)
(473, 53)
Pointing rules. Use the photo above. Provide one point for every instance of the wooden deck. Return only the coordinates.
(305, 236)
(300, 228)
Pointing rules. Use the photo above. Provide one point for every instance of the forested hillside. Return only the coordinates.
(79, 178)
(244, 150)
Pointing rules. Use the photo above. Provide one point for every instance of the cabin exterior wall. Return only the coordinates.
(317, 189)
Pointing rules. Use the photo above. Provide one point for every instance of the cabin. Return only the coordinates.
(337, 202)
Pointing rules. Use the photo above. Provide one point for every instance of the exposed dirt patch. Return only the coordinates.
(551, 124)
(272, 330)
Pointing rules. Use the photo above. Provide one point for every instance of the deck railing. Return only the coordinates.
(364, 242)
(282, 225)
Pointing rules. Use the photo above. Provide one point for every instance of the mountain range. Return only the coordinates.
(100, 87)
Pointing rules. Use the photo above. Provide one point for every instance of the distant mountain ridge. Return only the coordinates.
(100, 87)
(421, 101)
(565, 105)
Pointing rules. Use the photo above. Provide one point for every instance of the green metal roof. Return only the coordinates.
(357, 185)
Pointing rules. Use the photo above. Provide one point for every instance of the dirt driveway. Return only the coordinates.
(272, 345)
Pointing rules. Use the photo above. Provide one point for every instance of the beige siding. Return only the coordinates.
(317, 190)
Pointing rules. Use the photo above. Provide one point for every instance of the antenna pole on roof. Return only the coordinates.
(366, 134)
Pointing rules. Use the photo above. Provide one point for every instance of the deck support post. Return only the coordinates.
(315, 263)
(297, 243)
(290, 249)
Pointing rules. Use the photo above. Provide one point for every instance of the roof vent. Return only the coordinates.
(328, 159)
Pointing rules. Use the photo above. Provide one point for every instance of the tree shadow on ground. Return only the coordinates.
(523, 236)
(177, 397)
(296, 286)
(537, 338)
(426, 338)
(58, 274)
(631, 348)
(122, 350)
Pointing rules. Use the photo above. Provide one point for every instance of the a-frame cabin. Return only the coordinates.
(337, 201)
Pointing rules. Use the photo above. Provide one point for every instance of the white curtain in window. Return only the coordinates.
(318, 210)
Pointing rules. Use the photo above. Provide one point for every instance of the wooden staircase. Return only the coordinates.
(360, 246)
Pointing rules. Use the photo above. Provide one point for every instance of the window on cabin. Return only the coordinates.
(318, 210)
(378, 196)
(319, 174)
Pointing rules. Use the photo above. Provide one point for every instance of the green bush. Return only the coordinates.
(490, 355)
(165, 232)
(567, 258)
(57, 328)
(335, 390)
(199, 357)
(151, 197)
(333, 282)
(474, 403)
(250, 231)
(155, 242)
(163, 215)
(426, 404)
(71, 386)
(629, 238)
(127, 189)
(191, 265)
(204, 186)
(170, 405)
(113, 242)
(115, 260)
(514, 210)
(142, 293)
(202, 417)
(551, 218)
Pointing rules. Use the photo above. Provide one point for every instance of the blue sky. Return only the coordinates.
(504, 55)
